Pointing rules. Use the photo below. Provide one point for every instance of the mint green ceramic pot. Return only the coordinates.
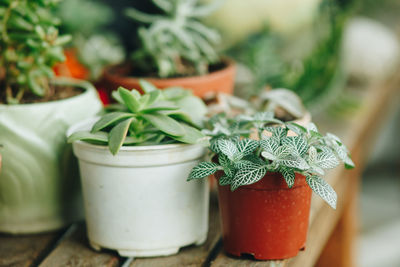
(39, 182)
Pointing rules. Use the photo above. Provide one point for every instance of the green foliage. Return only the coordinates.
(309, 75)
(29, 46)
(87, 21)
(176, 43)
(156, 117)
(245, 159)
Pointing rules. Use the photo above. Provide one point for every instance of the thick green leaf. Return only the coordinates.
(147, 87)
(130, 99)
(154, 97)
(194, 107)
(173, 93)
(165, 124)
(323, 189)
(160, 105)
(202, 170)
(98, 137)
(191, 136)
(117, 135)
(249, 174)
(110, 119)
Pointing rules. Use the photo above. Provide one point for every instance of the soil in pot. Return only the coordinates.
(219, 79)
(55, 92)
(267, 219)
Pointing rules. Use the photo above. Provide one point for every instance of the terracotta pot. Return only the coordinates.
(266, 219)
(204, 86)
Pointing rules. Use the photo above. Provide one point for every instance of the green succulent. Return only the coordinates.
(171, 115)
(245, 160)
(176, 43)
(29, 46)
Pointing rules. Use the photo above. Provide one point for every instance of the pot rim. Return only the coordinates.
(88, 122)
(230, 64)
(87, 86)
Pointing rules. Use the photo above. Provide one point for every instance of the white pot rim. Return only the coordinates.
(87, 86)
(87, 124)
(133, 156)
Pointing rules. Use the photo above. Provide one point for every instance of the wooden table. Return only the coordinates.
(331, 234)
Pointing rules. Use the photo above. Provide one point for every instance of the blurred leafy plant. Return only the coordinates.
(86, 21)
(29, 46)
(310, 76)
(157, 117)
(176, 43)
(245, 159)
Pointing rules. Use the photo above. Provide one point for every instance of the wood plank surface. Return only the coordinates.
(74, 251)
(192, 255)
(26, 250)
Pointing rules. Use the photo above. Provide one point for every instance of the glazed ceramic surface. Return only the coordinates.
(139, 202)
(39, 183)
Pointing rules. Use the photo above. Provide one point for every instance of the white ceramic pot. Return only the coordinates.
(138, 202)
(39, 183)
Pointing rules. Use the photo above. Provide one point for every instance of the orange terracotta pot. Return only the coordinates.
(267, 219)
(204, 86)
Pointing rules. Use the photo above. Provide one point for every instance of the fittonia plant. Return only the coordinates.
(245, 160)
(172, 115)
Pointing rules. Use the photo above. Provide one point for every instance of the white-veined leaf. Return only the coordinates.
(247, 146)
(268, 155)
(323, 189)
(249, 174)
(296, 128)
(293, 162)
(326, 160)
(224, 180)
(223, 160)
(298, 143)
(312, 154)
(228, 148)
(289, 176)
(269, 145)
(203, 169)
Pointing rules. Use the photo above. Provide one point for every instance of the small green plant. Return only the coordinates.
(176, 43)
(245, 159)
(29, 46)
(156, 117)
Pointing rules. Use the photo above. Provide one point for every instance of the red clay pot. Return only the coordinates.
(203, 86)
(267, 219)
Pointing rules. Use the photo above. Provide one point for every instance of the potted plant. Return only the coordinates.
(134, 161)
(39, 189)
(176, 50)
(265, 180)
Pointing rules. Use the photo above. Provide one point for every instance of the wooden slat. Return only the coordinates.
(21, 251)
(193, 255)
(74, 251)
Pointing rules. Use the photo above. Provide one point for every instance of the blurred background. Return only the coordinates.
(328, 52)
